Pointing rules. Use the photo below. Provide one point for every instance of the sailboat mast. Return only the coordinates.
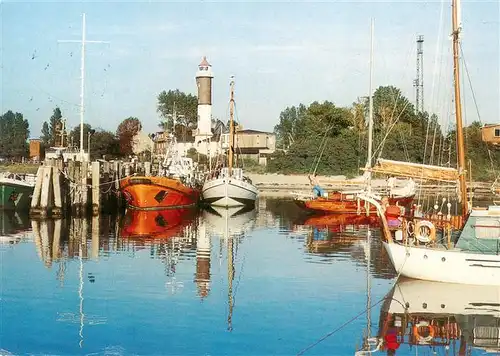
(458, 106)
(370, 111)
(231, 129)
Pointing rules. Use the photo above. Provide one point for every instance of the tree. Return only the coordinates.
(186, 107)
(125, 132)
(286, 129)
(104, 143)
(74, 136)
(14, 133)
(51, 131)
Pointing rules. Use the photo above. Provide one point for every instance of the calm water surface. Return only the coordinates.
(270, 281)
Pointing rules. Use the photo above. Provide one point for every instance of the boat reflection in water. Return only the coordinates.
(330, 232)
(14, 227)
(431, 315)
(230, 225)
(155, 224)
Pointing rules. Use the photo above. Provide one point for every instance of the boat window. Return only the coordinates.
(487, 228)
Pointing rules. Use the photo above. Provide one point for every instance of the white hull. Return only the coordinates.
(229, 192)
(441, 265)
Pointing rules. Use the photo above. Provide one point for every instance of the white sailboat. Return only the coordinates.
(228, 186)
(428, 249)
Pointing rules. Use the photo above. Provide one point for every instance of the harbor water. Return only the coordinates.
(267, 281)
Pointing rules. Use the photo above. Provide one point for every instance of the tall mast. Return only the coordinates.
(83, 42)
(458, 106)
(231, 128)
(370, 111)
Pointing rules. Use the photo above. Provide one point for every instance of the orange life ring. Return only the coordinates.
(423, 339)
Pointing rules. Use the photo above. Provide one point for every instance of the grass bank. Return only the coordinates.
(19, 168)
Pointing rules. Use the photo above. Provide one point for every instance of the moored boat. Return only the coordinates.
(148, 193)
(423, 249)
(175, 185)
(228, 186)
(16, 191)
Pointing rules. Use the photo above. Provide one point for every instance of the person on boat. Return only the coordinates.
(392, 213)
(317, 190)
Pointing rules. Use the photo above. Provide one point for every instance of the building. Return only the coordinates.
(141, 142)
(491, 134)
(36, 150)
(253, 144)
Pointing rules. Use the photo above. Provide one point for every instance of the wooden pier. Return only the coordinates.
(81, 188)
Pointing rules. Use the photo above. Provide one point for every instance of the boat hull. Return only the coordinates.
(229, 192)
(156, 193)
(448, 266)
(347, 204)
(15, 196)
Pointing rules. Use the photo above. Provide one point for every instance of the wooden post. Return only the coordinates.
(84, 179)
(56, 185)
(37, 192)
(96, 193)
(46, 196)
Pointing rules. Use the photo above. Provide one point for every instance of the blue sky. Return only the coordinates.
(281, 54)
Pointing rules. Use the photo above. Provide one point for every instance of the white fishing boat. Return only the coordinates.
(228, 186)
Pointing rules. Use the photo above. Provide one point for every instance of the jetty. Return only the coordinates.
(81, 188)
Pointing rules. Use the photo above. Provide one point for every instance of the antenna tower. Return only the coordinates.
(418, 83)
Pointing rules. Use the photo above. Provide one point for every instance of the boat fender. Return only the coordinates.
(416, 333)
(420, 231)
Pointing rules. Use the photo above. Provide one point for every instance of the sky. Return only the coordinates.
(281, 54)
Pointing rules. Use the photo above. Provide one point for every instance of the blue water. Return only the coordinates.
(113, 293)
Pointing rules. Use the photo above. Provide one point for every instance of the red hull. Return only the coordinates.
(157, 193)
(339, 203)
(155, 224)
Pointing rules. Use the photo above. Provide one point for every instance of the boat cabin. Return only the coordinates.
(481, 233)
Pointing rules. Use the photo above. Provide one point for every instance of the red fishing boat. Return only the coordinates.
(158, 193)
(176, 183)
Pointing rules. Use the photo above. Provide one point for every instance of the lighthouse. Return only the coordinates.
(204, 82)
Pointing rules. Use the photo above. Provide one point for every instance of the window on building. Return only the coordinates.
(497, 132)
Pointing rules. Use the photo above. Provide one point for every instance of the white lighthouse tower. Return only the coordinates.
(204, 82)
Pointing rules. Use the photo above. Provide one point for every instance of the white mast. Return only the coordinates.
(83, 41)
(370, 111)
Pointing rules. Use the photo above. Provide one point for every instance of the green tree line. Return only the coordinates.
(332, 140)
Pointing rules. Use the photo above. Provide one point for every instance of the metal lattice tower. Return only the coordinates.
(418, 83)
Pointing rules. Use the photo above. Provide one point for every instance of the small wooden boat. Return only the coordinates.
(157, 193)
(348, 203)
